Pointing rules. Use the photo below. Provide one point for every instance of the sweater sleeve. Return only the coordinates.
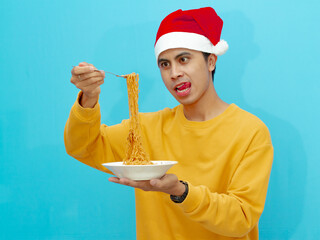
(90, 142)
(237, 211)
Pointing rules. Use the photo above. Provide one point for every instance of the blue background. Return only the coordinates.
(271, 70)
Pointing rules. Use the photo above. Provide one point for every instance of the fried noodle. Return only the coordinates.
(135, 153)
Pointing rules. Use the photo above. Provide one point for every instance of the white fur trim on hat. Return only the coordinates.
(191, 41)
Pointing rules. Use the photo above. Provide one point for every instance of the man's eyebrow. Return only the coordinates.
(161, 60)
(176, 57)
(182, 54)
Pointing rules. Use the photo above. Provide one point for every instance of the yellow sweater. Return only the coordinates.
(226, 161)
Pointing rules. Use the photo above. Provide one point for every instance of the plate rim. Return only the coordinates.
(116, 164)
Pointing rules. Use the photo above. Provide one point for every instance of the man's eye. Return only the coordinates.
(184, 59)
(164, 64)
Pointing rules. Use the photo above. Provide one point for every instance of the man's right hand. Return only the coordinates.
(88, 80)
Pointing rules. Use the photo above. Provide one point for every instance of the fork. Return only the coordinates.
(123, 76)
(96, 70)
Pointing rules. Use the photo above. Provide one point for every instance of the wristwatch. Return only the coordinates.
(180, 199)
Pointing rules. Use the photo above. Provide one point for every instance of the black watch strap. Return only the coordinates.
(180, 199)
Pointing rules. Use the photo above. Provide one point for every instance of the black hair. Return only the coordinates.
(206, 56)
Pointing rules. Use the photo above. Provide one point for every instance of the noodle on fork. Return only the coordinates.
(135, 154)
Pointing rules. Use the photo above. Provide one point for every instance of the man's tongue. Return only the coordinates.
(184, 86)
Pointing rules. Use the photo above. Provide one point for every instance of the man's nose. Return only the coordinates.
(176, 72)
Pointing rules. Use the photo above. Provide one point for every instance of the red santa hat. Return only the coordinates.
(196, 29)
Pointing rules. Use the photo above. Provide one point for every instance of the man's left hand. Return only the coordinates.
(169, 184)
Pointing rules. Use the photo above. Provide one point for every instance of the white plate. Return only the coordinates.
(140, 172)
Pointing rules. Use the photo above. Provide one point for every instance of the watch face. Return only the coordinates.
(176, 199)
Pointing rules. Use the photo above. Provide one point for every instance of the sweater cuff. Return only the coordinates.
(85, 114)
(192, 200)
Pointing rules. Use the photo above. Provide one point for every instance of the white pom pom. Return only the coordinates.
(220, 48)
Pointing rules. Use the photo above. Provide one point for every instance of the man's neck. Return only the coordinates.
(210, 106)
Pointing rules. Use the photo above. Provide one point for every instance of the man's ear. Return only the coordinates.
(212, 59)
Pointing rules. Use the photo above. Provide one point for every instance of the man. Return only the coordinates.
(218, 188)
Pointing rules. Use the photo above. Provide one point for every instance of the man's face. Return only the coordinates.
(186, 74)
